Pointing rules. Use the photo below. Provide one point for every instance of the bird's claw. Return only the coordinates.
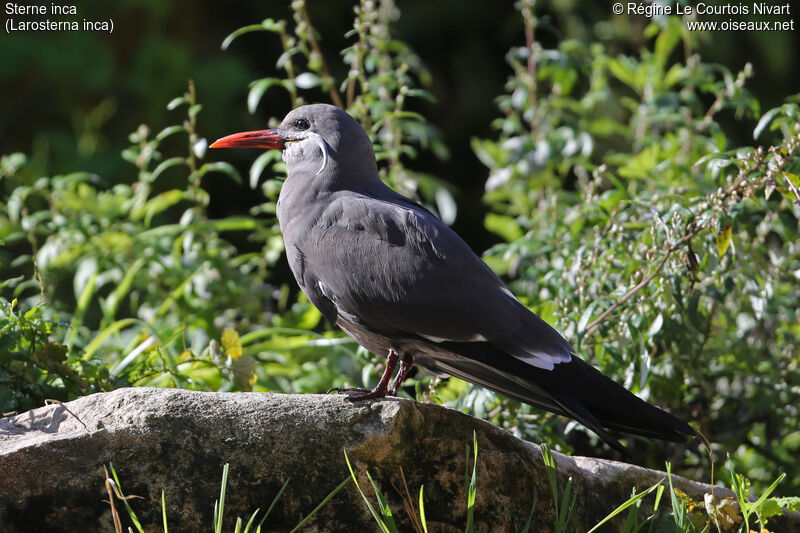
(358, 394)
(344, 390)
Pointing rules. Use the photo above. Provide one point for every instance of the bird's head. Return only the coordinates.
(318, 138)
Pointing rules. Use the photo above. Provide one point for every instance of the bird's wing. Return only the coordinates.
(393, 267)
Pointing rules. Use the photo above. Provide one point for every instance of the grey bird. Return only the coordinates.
(403, 284)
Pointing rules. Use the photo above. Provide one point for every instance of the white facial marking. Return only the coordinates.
(298, 147)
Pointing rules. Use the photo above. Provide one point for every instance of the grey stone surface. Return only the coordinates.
(51, 463)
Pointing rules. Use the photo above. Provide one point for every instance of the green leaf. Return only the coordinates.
(792, 191)
(220, 166)
(764, 495)
(307, 80)
(96, 342)
(80, 309)
(677, 73)
(586, 317)
(764, 121)
(527, 527)
(166, 132)
(769, 508)
(624, 69)
(199, 148)
(261, 162)
(487, 151)
(158, 204)
(111, 304)
(421, 93)
(642, 165)
(174, 103)
(223, 224)
(668, 38)
(177, 292)
(724, 240)
(257, 90)
(504, 225)
(62, 182)
(164, 165)
(790, 503)
(266, 25)
(9, 164)
(655, 327)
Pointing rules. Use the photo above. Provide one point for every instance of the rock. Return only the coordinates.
(52, 458)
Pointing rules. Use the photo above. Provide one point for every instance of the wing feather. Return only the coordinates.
(401, 271)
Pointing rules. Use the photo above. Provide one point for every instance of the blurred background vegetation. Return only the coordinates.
(604, 165)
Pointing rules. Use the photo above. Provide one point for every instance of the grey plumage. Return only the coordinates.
(397, 279)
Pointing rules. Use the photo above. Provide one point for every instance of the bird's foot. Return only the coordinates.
(358, 394)
(381, 390)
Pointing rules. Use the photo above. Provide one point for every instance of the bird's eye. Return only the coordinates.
(301, 124)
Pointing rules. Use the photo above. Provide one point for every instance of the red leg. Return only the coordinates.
(405, 365)
(382, 388)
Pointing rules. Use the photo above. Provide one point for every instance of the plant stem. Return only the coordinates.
(530, 26)
(327, 79)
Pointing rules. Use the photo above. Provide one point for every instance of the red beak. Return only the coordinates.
(252, 139)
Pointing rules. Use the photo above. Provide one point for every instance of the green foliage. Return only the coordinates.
(114, 489)
(34, 367)
(383, 514)
(685, 515)
(382, 75)
(765, 506)
(148, 289)
(563, 512)
(135, 285)
(219, 505)
(471, 484)
(632, 218)
(666, 253)
(633, 504)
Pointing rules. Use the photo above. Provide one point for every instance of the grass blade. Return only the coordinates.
(632, 500)
(679, 506)
(563, 514)
(219, 506)
(321, 504)
(550, 467)
(472, 487)
(125, 499)
(164, 511)
(383, 505)
(274, 501)
(381, 523)
(422, 510)
(250, 522)
(533, 508)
